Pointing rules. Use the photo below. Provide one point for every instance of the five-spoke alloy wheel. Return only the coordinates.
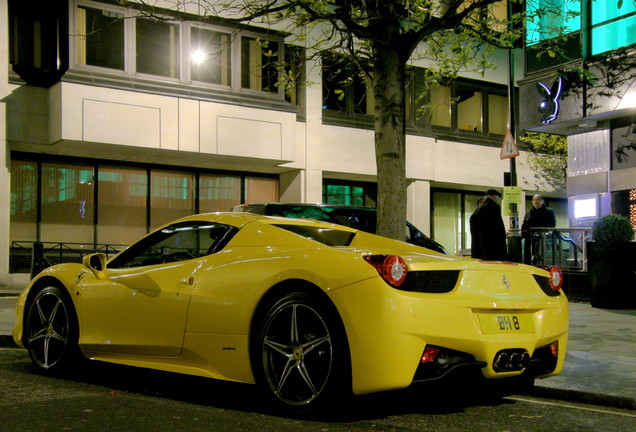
(299, 352)
(51, 329)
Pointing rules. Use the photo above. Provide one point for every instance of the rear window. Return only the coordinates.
(362, 219)
(326, 236)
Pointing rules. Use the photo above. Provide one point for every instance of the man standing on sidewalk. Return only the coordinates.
(491, 231)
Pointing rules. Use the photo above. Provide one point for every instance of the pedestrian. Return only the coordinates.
(490, 228)
(538, 216)
(475, 250)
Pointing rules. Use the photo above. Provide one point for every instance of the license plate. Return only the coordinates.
(505, 323)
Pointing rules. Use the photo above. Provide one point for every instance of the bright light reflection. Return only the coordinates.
(585, 208)
(198, 56)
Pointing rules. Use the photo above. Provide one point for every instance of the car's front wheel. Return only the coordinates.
(51, 330)
(300, 356)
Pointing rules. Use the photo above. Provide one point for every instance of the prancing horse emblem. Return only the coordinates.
(506, 282)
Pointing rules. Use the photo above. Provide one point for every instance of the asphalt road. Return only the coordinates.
(103, 397)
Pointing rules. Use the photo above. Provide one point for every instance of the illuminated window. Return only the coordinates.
(171, 196)
(469, 109)
(68, 198)
(261, 189)
(219, 192)
(24, 200)
(548, 19)
(122, 210)
(613, 25)
(441, 106)
(632, 207)
(209, 56)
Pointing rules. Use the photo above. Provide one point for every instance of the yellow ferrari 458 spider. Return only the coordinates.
(307, 310)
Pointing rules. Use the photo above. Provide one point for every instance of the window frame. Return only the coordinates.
(422, 125)
(130, 17)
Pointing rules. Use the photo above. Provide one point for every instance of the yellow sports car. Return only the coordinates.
(307, 310)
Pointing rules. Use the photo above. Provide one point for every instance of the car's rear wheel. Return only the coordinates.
(300, 356)
(51, 330)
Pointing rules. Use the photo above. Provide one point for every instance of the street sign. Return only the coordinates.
(509, 148)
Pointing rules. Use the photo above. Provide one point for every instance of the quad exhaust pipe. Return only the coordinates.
(511, 360)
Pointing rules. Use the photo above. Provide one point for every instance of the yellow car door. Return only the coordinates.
(139, 303)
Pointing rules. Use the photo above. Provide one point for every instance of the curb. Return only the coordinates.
(621, 402)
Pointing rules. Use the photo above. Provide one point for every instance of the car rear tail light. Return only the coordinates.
(555, 278)
(554, 348)
(430, 354)
(392, 268)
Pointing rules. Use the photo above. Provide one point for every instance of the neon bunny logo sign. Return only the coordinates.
(549, 106)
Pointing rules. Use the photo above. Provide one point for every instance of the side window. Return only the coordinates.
(101, 38)
(178, 242)
(259, 64)
(210, 56)
(157, 48)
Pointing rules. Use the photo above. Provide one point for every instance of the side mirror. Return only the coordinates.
(96, 262)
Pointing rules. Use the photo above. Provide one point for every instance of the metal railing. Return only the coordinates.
(32, 257)
(562, 247)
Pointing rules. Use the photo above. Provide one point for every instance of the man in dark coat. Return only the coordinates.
(490, 228)
(475, 249)
(538, 216)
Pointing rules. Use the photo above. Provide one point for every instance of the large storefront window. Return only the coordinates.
(64, 205)
(24, 200)
(67, 203)
(349, 193)
(260, 190)
(219, 192)
(447, 220)
(451, 219)
(122, 210)
(343, 194)
(171, 196)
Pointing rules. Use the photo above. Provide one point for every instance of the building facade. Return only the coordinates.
(589, 87)
(116, 124)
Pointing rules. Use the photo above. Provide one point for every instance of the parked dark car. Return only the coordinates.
(358, 217)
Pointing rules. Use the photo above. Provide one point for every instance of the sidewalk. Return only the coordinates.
(600, 365)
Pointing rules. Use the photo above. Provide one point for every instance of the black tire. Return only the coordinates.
(300, 355)
(51, 330)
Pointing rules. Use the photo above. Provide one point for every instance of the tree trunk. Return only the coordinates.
(390, 145)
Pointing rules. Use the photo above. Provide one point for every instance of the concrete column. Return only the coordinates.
(418, 206)
(313, 134)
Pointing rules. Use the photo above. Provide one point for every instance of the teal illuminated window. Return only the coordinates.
(343, 194)
(549, 19)
(613, 25)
